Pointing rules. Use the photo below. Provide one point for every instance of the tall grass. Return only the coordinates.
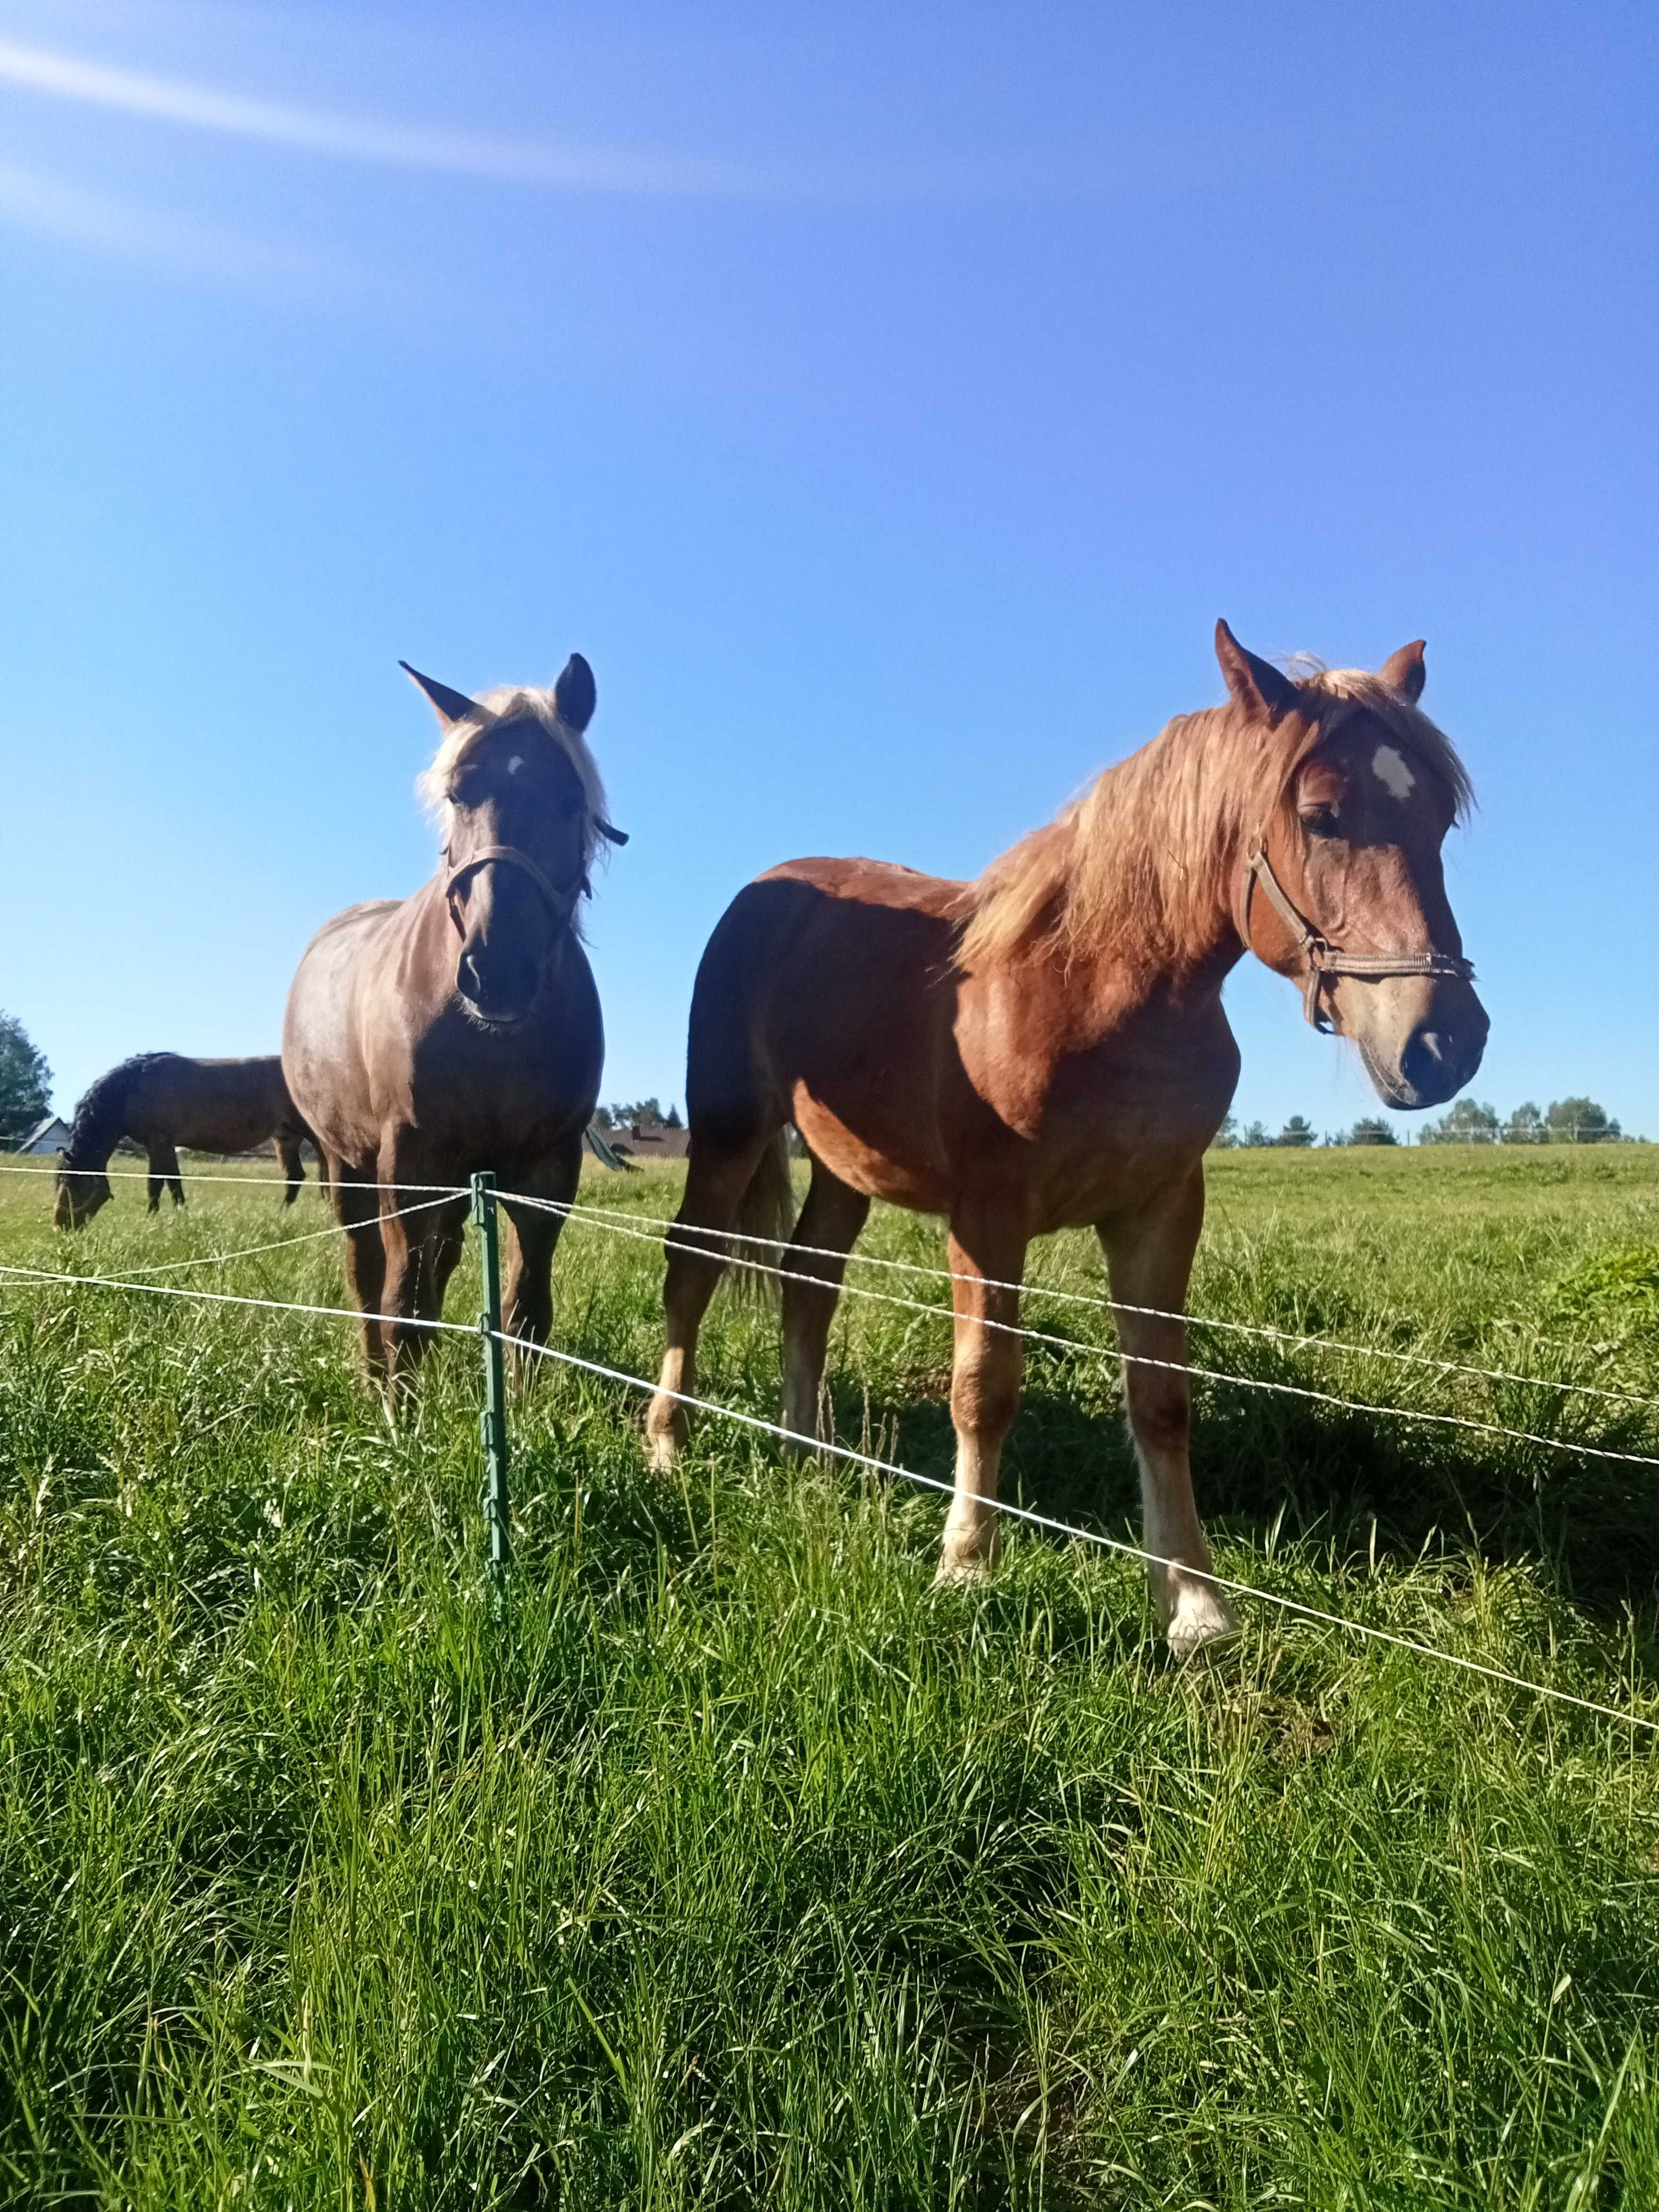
(735, 1866)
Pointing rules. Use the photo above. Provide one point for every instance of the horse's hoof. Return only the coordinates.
(1202, 1622)
(661, 1455)
(962, 1574)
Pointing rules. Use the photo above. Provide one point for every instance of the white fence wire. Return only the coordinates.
(1098, 1350)
(1365, 1629)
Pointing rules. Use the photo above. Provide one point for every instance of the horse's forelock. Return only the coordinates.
(1359, 686)
(513, 703)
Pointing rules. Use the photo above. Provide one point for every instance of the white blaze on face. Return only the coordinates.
(1390, 770)
(517, 763)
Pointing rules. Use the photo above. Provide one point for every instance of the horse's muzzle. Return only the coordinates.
(496, 991)
(1439, 1056)
(80, 1196)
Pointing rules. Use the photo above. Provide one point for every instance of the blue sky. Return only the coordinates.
(886, 399)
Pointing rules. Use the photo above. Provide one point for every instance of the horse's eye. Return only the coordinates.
(1319, 821)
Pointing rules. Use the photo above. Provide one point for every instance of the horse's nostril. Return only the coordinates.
(1437, 1062)
(1423, 1061)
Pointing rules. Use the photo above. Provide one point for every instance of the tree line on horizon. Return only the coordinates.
(637, 1113)
(26, 1100)
(1575, 1121)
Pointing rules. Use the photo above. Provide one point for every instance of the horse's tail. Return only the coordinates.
(766, 1210)
(100, 1119)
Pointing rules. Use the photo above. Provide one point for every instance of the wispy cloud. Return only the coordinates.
(450, 152)
(78, 215)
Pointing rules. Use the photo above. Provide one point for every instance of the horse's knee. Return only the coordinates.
(688, 1282)
(985, 1390)
(1160, 1416)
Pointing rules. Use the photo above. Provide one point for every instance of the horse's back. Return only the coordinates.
(881, 885)
(823, 945)
(218, 1105)
(829, 981)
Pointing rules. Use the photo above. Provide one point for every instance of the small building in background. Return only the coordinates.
(637, 1146)
(52, 1135)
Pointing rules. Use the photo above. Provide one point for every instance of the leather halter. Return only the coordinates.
(1324, 960)
(561, 903)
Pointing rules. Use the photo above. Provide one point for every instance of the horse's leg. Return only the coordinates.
(527, 1304)
(444, 1245)
(716, 1183)
(170, 1174)
(986, 1250)
(1150, 1257)
(357, 1209)
(831, 1219)
(409, 1270)
(164, 1173)
(288, 1153)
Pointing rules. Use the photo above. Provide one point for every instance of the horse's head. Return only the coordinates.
(523, 811)
(1342, 884)
(80, 1192)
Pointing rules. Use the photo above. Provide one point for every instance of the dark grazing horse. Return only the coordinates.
(161, 1100)
(1046, 1048)
(459, 1030)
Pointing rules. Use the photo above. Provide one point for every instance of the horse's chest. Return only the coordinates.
(1106, 1127)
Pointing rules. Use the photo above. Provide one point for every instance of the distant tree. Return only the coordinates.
(1298, 1132)
(1470, 1122)
(1526, 1126)
(1372, 1130)
(637, 1113)
(25, 1082)
(1580, 1121)
(1255, 1136)
(1226, 1137)
(672, 1119)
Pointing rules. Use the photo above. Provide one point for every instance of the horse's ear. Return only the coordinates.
(1255, 683)
(452, 706)
(576, 694)
(1403, 671)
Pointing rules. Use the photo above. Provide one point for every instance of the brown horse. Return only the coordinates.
(1046, 1048)
(459, 1030)
(161, 1100)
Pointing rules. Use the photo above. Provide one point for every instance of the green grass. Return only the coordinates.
(735, 1866)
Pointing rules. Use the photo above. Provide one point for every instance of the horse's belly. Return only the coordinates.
(879, 1165)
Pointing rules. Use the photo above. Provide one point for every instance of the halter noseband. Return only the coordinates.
(561, 903)
(1324, 960)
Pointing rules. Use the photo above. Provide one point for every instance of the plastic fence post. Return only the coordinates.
(493, 1420)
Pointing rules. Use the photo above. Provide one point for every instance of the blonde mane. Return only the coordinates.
(1139, 865)
(522, 706)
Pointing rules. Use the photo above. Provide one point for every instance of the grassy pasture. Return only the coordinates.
(738, 1868)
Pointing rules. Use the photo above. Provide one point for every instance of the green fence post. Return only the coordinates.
(493, 1420)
